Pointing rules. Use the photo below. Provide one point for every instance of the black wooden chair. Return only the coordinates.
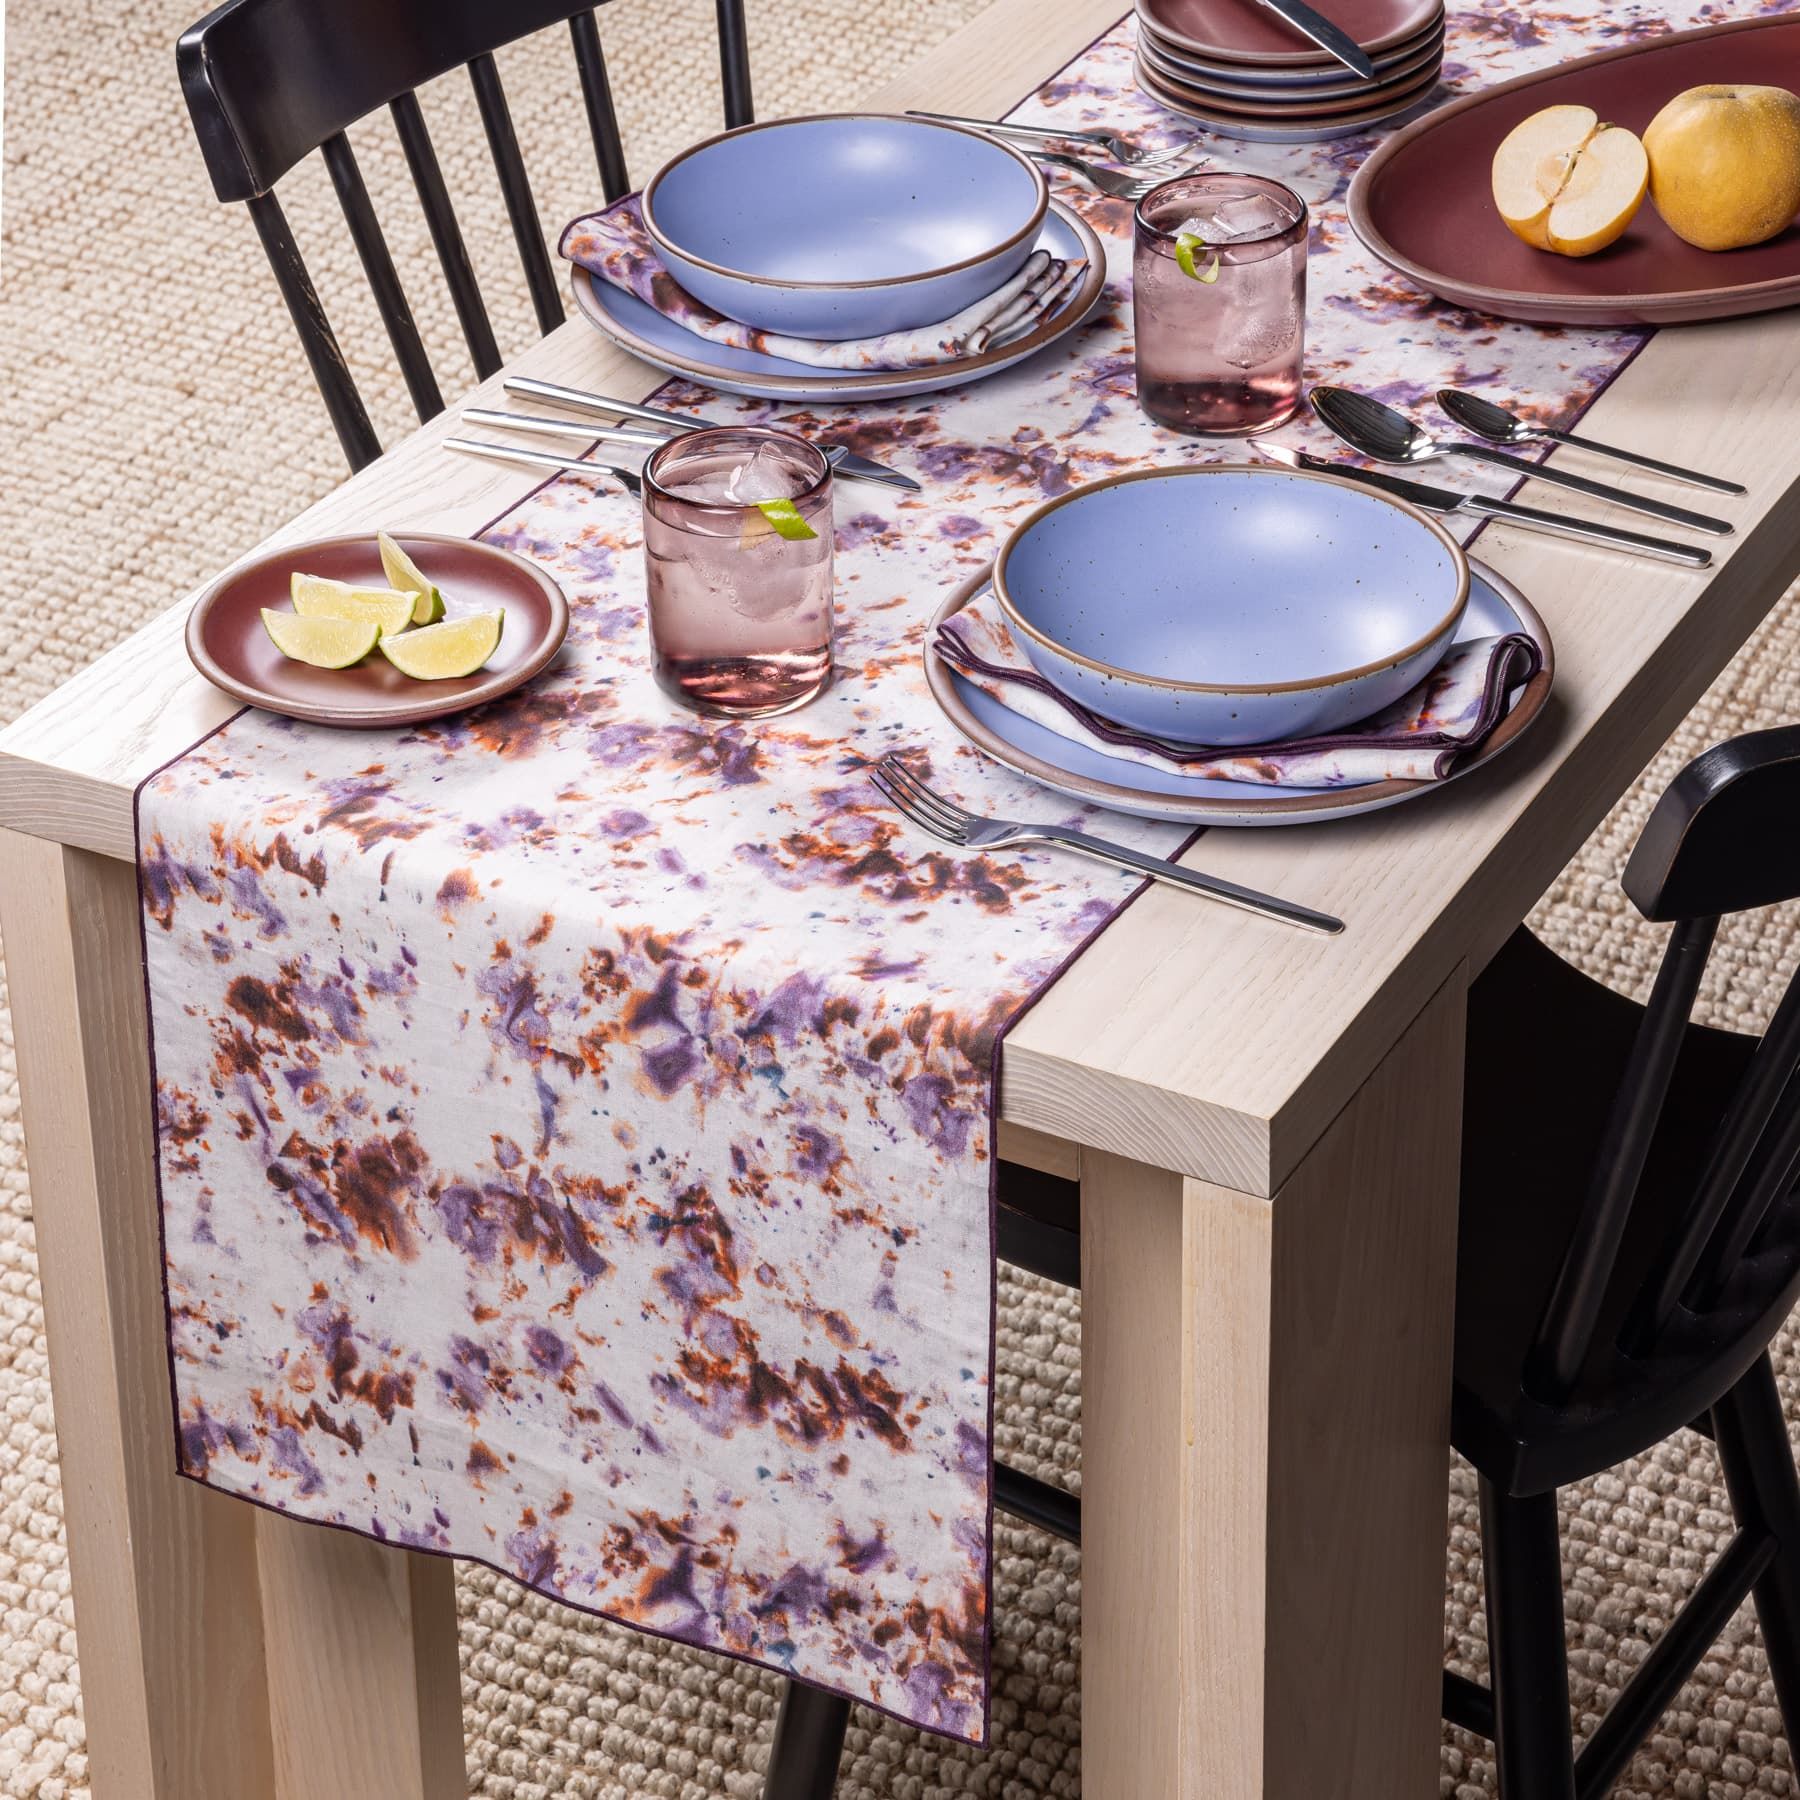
(270, 81)
(1630, 1244)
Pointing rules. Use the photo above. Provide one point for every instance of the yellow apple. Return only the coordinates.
(1725, 164)
(1563, 181)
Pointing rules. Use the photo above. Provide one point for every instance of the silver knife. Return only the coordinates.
(844, 460)
(637, 437)
(1448, 500)
(1325, 34)
(544, 459)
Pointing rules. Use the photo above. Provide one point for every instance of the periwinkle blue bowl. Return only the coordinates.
(1225, 604)
(845, 225)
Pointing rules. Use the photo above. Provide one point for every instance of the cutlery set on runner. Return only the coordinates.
(1292, 638)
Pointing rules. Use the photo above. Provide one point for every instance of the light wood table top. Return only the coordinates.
(1189, 1037)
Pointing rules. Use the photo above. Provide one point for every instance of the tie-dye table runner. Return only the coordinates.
(575, 1119)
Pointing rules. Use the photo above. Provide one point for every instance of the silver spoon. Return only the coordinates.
(1378, 431)
(1499, 426)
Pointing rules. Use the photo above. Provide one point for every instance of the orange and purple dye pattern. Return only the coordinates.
(574, 1119)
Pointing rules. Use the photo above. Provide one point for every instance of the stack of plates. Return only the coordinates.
(1244, 72)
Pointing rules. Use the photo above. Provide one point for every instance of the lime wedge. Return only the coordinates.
(784, 515)
(405, 574)
(1185, 246)
(325, 643)
(440, 652)
(318, 597)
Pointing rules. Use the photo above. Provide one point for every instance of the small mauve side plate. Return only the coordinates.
(1299, 129)
(1263, 75)
(1423, 202)
(1294, 96)
(226, 640)
(1375, 98)
(1241, 31)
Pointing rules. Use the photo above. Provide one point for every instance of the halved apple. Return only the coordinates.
(1565, 182)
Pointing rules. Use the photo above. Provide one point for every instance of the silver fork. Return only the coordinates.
(954, 824)
(1108, 181)
(1118, 148)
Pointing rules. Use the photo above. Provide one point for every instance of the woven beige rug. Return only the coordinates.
(155, 390)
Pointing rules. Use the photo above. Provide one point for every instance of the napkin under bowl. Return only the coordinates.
(1425, 735)
(1223, 604)
(613, 246)
(844, 225)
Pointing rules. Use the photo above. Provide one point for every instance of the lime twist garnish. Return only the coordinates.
(784, 515)
(1185, 246)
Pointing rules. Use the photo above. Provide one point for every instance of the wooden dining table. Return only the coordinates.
(1264, 1125)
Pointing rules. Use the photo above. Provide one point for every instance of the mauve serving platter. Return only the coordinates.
(1423, 203)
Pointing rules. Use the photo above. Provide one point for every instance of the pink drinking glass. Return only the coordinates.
(738, 576)
(1219, 350)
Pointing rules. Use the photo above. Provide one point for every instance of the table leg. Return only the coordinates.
(363, 1683)
(180, 1622)
(1265, 1432)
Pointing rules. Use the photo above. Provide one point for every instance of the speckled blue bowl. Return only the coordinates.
(845, 225)
(1224, 604)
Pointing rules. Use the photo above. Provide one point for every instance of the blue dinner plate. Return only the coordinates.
(642, 330)
(1495, 608)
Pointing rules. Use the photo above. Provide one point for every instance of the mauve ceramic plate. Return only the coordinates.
(1327, 73)
(644, 331)
(1422, 202)
(1495, 607)
(1242, 31)
(1306, 130)
(1208, 80)
(1375, 97)
(845, 225)
(226, 640)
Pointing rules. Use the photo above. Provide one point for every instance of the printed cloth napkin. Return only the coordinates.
(614, 246)
(1423, 736)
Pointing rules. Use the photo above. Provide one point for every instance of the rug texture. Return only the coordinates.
(155, 387)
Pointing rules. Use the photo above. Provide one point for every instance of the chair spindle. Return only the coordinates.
(446, 233)
(349, 418)
(384, 281)
(1752, 1107)
(1772, 1174)
(515, 189)
(734, 63)
(603, 121)
(1566, 1332)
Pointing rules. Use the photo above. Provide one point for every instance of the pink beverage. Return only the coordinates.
(1219, 349)
(737, 563)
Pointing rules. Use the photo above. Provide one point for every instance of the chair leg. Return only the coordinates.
(809, 1739)
(1758, 1461)
(1528, 1660)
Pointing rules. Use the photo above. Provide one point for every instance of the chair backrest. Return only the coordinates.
(1724, 838)
(270, 81)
